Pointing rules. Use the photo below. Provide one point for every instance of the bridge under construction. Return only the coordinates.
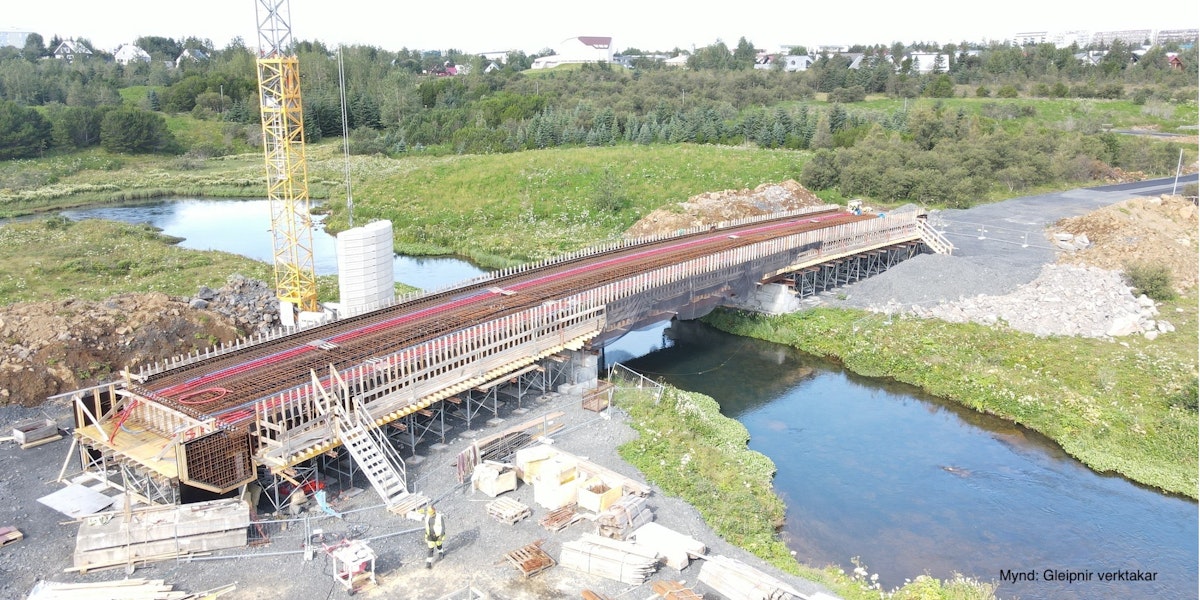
(372, 383)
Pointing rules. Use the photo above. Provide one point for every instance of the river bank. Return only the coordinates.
(1125, 408)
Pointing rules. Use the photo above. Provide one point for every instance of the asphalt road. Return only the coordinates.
(1011, 233)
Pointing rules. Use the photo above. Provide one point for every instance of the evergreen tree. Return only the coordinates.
(24, 133)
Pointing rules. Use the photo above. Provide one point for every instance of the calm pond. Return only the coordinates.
(867, 468)
(244, 227)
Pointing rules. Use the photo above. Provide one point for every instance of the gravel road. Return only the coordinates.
(997, 248)
(475, 544)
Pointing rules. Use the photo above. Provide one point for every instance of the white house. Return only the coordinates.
(677, 61)
(583, 49)
(791, 63)
(128, 53)
(70, 49)
(924, 62)
(190, 55)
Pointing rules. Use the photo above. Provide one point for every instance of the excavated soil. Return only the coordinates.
(1150, 231)
(47, 348)
(714, 207)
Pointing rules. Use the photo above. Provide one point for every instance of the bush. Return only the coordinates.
(1155, 281)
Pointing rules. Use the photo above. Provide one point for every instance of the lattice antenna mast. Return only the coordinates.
(283, 146)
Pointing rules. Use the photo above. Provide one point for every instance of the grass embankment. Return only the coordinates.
(97, 177)
(1125, 407)
(499, 209)
(689, 449)
(51, 259)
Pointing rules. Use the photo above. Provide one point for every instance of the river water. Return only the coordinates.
(867, 468)
(244, 227)
(910, 484)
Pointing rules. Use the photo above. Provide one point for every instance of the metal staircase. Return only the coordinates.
(371, 451)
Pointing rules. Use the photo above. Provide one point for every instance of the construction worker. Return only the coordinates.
(435, 534)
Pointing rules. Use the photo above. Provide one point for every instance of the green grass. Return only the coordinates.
(93, 260)
(531, 205)
(690, 450)
(1054, 112)
(59, 181)
(1127, 408)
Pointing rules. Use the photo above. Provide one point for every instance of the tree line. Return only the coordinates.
(398, 103)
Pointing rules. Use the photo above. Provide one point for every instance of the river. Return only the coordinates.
(870, 469)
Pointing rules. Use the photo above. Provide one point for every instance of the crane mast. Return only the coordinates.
(287, 169)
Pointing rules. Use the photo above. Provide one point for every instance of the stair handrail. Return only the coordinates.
(933, 238)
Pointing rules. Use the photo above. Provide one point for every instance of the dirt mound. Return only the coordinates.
(1153, 231)
(711, 208)
(47, 348)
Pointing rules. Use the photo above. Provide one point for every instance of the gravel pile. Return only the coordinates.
(1055, 299)
(251, 303)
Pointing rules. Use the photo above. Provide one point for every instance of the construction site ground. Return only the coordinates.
(475, 546)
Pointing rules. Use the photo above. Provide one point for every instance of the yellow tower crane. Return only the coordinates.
(287, 169)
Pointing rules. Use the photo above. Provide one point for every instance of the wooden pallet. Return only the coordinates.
(674, 590)
(10, 535)
(530, 560)
(559, 518)
(507, 510)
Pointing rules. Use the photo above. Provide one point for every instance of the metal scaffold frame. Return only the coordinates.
(813, 280)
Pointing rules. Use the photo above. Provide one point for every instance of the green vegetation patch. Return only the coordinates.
(1126, 407)
(54, 258)
(527, 206)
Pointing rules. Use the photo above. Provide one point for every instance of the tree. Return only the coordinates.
(35, 47)
(744, 55)
(24, 133)
(75, 127)
(135, 131)
(941, 87)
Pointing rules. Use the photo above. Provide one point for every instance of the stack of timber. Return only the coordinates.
(622, 561)
(153, 533)
(507, 510)
(623, 517)
(500, 446)
(738, 581)
(139, 589)
(676, 548)
(674, 590)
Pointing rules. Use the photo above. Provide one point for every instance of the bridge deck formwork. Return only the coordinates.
(175, 423)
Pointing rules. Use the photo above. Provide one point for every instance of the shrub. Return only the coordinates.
(1155, 281)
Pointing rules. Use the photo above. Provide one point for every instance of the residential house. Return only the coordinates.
(583, 49)
(926, 62)
(69, 50)
(677, 61)
(191, 55)
(1174, 62)
(791, 63)
(128, 53)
